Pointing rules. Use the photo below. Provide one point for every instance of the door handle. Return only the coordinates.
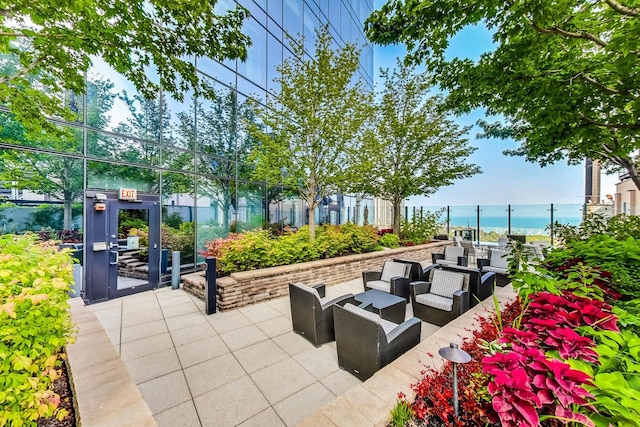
(117, 257)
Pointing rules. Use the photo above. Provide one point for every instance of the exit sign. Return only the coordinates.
(128, 194)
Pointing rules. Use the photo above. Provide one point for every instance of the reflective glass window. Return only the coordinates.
(216, 166)
(225, 73)
(53, 182)
(114, 147)
(216, 208)
(292, 17)
(178, 215)
(251, 209)
(310, 26)
(179, 123)
(13, 133)
(256, 11)
(275, 11)
(110, 176)
(216, 124)
(274, 59)
(114, 104)
(345, 21)
(334, 14)
(178, 160)
(255, 67)
(250, 90)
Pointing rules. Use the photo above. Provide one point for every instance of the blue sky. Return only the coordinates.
(505, 179)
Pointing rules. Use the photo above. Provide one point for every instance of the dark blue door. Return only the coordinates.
(122, 249)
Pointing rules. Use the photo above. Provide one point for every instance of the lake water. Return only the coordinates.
(525, 219)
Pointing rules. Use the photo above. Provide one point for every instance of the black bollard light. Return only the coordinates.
(454, 355)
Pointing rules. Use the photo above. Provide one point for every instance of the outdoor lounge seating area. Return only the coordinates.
(241, 366)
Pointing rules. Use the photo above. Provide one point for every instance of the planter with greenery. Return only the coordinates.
(35, 327)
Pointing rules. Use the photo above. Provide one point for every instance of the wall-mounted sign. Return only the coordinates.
(133, 242)
(127, 194)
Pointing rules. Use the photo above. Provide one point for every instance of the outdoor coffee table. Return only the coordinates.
(389, 307)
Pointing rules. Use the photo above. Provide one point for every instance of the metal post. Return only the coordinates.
(164, 261)
(210, 289)
(175, 270)
(448, 218)
(551, 224)
(509, 219)
(455, 389)
(478, 223)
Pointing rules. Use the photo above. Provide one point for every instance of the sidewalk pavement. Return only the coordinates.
(242, 367)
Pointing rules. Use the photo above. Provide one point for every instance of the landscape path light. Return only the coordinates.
(455, 356)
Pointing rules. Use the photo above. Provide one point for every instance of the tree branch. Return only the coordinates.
(622, 9)
(609, 125)
(25, 71)
(602, 86)
(571, 34)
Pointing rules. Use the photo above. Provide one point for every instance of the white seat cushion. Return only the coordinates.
(445, 283)
(498, 259)
(435, 301)
(498, 270)
(392, 269)
(451, 253)
(387, 326)
(380, 285)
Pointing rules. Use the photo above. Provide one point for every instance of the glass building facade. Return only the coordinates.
(191, 153)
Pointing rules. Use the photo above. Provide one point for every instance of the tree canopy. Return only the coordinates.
(564, 74)
(313, 123)
(54, 43)
(412, 147)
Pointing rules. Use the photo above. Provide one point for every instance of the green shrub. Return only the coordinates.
(34, 327)
(331, 241)
(361, 239)
(250, 251)
(422, 227)
(389, 240)
(292, 248)
(621, 258)
(260, 248)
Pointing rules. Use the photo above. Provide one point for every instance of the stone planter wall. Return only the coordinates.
(249, 287)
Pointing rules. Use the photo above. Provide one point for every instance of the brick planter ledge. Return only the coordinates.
(253, 286)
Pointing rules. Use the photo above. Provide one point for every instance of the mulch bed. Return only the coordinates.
(62, 387)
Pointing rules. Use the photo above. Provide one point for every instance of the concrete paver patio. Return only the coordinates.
(241, 367)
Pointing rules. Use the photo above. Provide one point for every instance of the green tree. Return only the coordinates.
(413, 147)
(313, 123)
(564, 75)
(131, 36)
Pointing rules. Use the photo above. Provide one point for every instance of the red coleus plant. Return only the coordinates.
(526, 385)
(548, 325)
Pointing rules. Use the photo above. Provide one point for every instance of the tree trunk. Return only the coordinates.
(68, 213)
(396, 217)
(312, 223)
